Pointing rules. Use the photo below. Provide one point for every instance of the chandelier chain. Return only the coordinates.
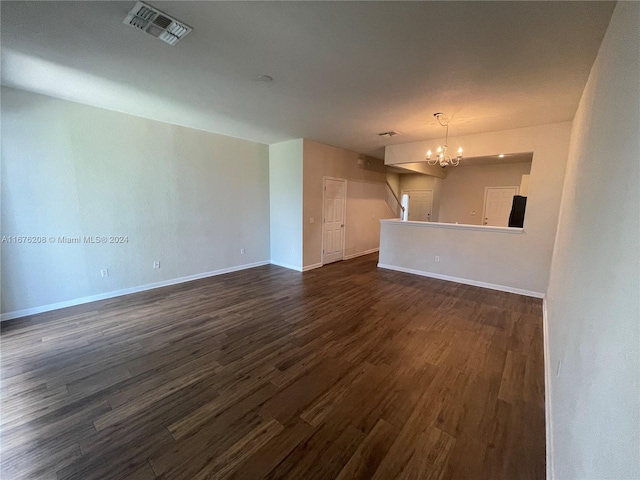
(442, 155)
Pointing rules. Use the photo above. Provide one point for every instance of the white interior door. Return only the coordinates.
(333, 220)
(497, 205)
(420, 204)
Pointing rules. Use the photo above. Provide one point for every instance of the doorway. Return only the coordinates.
(333, 219)
(497, 205)
(420, 204)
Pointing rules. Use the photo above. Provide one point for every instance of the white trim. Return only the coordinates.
(311, 267)
(466, 281)
(547, 392)
(125, 291)
(455, 226)
(344, 214)
(286, 265)
(359, 254)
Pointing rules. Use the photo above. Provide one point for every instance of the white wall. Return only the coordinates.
(366, 191)
(463, 190)
(515, 261)
(185, 197)
(593, 300)
(285, 203)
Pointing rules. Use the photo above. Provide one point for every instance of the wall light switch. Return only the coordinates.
(312, 220)
(437, 258)
(104, 272)
(242, 251)
(156, 264)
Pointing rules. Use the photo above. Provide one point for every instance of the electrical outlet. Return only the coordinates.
(156, 264)
(104, 272)
(242, 251)
(437, 258)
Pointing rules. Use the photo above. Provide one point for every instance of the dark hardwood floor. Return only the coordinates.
(344, 372)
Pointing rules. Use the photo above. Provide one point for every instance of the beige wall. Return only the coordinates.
(366, 204)
(420, 166)
(593, 300)
(516, 261)
(417, 181)
(188, 198)
(524, 185)
(393, 179)
(464, 188)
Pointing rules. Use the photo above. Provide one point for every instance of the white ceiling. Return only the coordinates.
(343, 71)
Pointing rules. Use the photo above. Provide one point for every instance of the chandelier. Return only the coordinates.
(442, 156)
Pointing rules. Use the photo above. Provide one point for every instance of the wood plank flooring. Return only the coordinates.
(344, 372)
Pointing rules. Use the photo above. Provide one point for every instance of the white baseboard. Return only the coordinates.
(126, 291)
(359, 254)
(311, 267)
(466, 281)
(547, 392)
(318, 265)
(286, 265)
(346, 257)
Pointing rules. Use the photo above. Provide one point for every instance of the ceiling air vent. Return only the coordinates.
(388, 134)
(152, 21)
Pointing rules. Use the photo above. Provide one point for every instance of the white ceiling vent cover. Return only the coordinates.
(154, 22)
(390, 134)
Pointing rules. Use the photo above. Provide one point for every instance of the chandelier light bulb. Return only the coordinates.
(428, 154)
(460, 151)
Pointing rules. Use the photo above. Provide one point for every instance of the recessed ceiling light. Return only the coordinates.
(265, 78)
(501, 155)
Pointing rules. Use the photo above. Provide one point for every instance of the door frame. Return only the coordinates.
(484, 202)
(344, 213)
(402, 192)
